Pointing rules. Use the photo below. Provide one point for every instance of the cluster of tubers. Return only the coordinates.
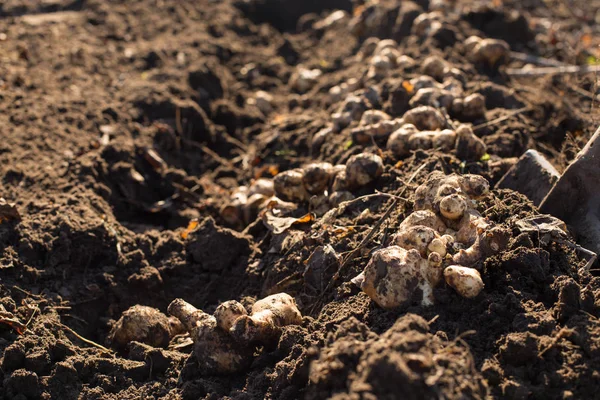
(423, 128)
(490, 52)
(445, 237)
(224, 342)
(247, 201)
(325, 180)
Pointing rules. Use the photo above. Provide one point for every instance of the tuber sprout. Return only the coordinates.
(487, 243)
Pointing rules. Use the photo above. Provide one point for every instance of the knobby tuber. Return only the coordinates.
(444, 229)
(143, 324)
(225, 342)
(215, 350)
(268, 316)
(395, 275)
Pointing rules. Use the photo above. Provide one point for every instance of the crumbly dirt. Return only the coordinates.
(123, 121)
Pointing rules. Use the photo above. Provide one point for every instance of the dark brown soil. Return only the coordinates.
(89, 89)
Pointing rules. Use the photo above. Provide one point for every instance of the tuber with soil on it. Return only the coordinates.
(395, 276)
(466, 281)
(444, 228)
(215, 350)
(143, 324)
(268, 316)
(226, 341)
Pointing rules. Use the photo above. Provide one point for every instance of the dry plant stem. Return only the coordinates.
(531, 59)
(592, 256)
(564, 70)
(502, 118)
(90, 342)
(371, 233)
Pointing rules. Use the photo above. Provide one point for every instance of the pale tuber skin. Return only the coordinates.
(433, 96)
(424, 82)
(441, 140)
(475, 186)
(425, 218)
(453, 206)
(304, 79)
(429, 195)
(316, 177)
(473, 107)
(339, 182)
(362, 169)
(227, 313)
(268, 316)
(469, 227)
(371, 117)
(394, 275)
(262, 186)
(215, 350)
(492, 52)
(380, 130)
(425, 118)
(289, 185)
(471, 43)
(440, 245)
(350, 110)
(142, 324)
(416, 237)
(425, 23)
(398, 140)
(445, 220)
(466, 281)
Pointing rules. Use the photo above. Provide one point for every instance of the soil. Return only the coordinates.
(123, 121)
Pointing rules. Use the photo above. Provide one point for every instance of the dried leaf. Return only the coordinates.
(408, 86)
(281, 224)
(192, 226)
(7, 318)
(8, 211)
